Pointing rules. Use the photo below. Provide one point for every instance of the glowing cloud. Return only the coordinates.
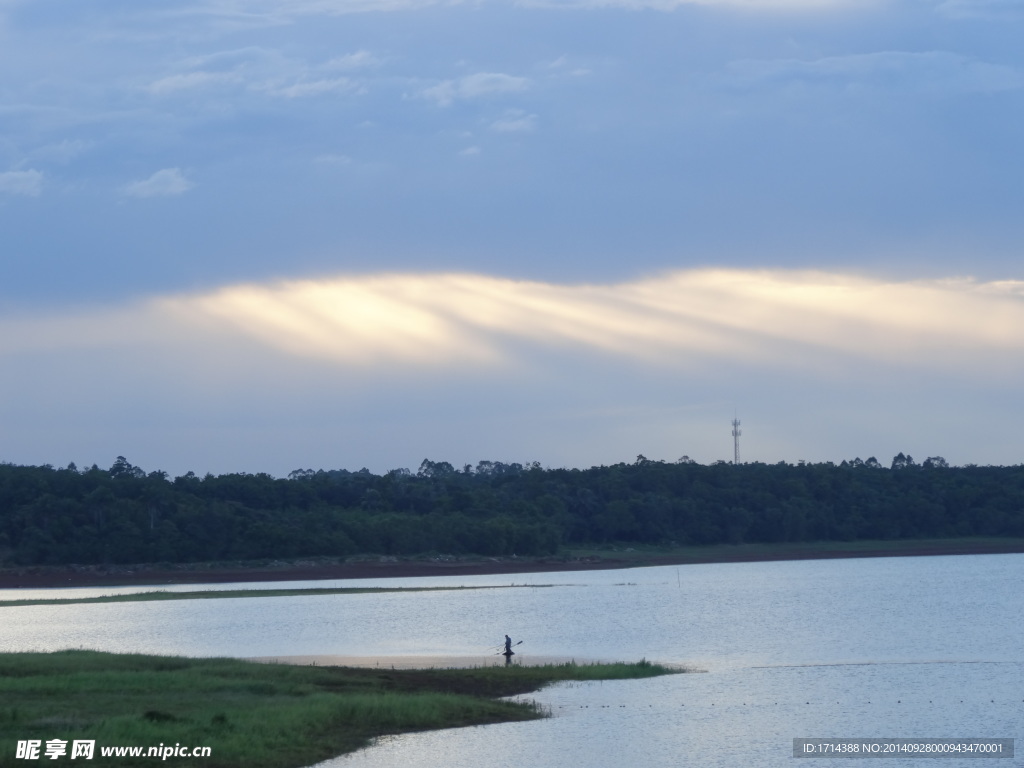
(684, 320)
(777, 318)
(411, 365)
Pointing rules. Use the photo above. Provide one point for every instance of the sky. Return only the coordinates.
(259, 235)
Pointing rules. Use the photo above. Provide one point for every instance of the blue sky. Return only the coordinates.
(261, 235)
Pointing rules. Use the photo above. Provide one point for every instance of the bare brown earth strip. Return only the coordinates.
(122, 575)
(384, 568)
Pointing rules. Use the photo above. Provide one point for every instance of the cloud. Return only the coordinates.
(334, 160)
(983, 9)
(164, 183)
(474, 87)
(234, 59)
(686, 319)
(515, 121)
(671, 5)
(311, 88)
(191, 81)
(930, 71)
(381, 370)
(234, 14)
(259, 70)
(62, 152)
(797, 321)
(353, 61)
(337, 7)
(343, 7)
(28, 183)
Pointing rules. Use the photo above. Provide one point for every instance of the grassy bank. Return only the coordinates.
(253, 715)
(211, 594)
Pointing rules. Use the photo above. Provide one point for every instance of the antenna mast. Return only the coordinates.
(736, 441)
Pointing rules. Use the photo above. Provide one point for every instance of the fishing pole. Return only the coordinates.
(499, 653)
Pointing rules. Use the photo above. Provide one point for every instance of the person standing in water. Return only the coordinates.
(508, 646)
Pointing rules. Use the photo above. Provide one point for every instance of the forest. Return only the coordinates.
(127, 515)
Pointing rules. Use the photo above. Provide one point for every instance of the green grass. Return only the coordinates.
(254, 715)
(213, 594)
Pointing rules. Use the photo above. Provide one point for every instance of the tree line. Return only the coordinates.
(127, 515)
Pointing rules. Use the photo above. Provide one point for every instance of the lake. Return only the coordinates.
(881, 647)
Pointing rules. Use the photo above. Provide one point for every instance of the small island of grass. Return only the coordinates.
(224, 594)
(251, 714)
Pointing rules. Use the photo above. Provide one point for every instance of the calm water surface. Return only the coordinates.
(888, 647)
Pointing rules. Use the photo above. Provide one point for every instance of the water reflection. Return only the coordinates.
(735, 717)
(887, 647)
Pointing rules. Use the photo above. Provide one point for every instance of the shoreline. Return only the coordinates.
(427, 662)
(44, 577)
(261, 715)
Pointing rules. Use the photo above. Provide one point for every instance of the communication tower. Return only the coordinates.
(736, 441)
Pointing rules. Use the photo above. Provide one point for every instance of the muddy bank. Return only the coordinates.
(130, 575)
(389, 567)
